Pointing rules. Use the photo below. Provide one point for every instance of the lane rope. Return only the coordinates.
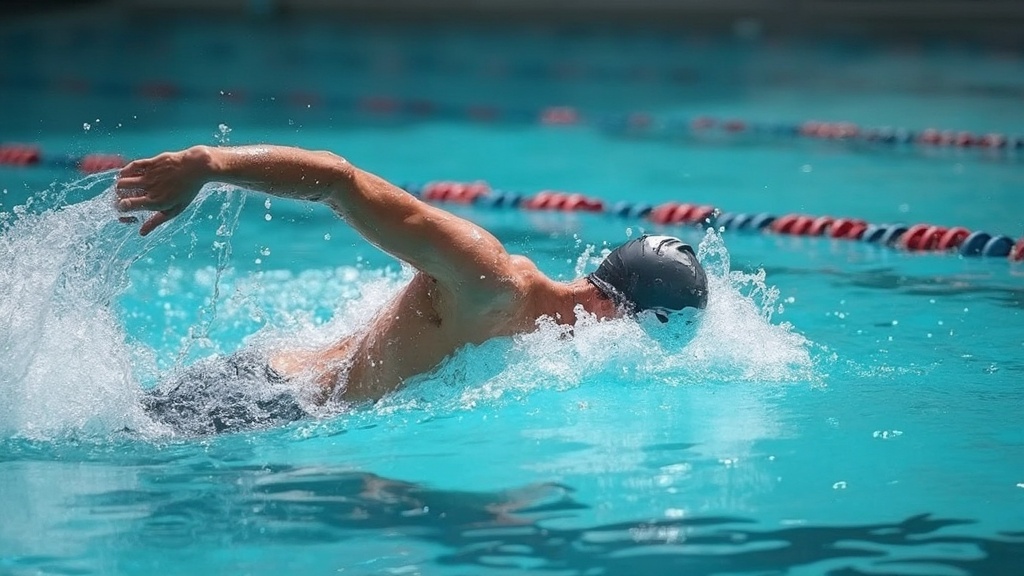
(633, 124)
(921, 237)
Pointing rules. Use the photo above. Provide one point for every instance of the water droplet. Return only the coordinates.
(221, 135)
(86, 126)
(327, 236)
(839, 485)
(268, 217)
(806, 168)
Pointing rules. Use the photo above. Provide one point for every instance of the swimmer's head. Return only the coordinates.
(657, 273)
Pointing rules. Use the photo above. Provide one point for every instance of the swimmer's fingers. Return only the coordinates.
(138, 203)
(159, 218)
(128, 185)
(135, 168)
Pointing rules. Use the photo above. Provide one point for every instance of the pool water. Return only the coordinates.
(840, 408)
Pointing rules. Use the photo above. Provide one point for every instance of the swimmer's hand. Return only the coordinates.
(166, 184)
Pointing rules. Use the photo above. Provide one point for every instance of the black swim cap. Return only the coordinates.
(657, 273)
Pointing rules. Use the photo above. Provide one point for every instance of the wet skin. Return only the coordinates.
(467, 289)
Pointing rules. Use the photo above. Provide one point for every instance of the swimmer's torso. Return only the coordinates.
(414, 332)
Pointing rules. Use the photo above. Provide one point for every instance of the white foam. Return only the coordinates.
(64, 363)
(67, 366)
(732, 341)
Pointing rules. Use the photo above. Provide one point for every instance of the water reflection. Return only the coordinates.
(525, 527)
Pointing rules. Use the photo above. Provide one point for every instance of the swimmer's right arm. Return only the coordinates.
(451, 249)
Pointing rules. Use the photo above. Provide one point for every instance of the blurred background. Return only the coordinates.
(964, 15)
(562, 85)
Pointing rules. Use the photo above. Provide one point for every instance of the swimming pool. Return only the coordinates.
(855, 410)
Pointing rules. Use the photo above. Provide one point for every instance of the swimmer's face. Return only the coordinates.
(606, 309)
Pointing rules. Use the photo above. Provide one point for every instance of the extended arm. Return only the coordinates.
(451, 249)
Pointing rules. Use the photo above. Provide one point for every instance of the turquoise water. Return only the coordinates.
(839, 408)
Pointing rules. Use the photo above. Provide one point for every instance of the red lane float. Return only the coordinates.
(992, 141)
(676, 213)
(702, 123)
(560, 115)
(820, 225)
(921, 237)
(701, 214)
(734, 125)
(953, 238)
(566, 202)
(639, 121)
(965, 139)
(802, 225)
(681, 214)
(912, 238)
(784, 224)
(661, 213)
(847, 228)
(1017, 253)
(457, 192)
(91, 163)
(795, 224)
(19, 155)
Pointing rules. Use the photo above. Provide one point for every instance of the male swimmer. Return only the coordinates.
(467, 288)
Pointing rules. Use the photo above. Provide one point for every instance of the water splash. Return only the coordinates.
(68, 366)
(63, 357)
(732, 341)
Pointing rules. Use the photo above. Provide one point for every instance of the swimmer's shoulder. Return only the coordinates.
(526, 274)
(522, 264)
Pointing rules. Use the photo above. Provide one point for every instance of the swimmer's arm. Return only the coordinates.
(454, 251)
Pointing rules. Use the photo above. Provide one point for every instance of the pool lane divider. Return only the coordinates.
(14, 154)
(915, 238)
(633, 124)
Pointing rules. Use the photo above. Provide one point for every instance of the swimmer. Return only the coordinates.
(467, 288)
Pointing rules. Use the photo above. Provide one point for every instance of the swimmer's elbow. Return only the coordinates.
(342, 168)
(342, 174)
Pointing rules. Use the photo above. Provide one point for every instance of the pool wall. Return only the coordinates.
(988, 17)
